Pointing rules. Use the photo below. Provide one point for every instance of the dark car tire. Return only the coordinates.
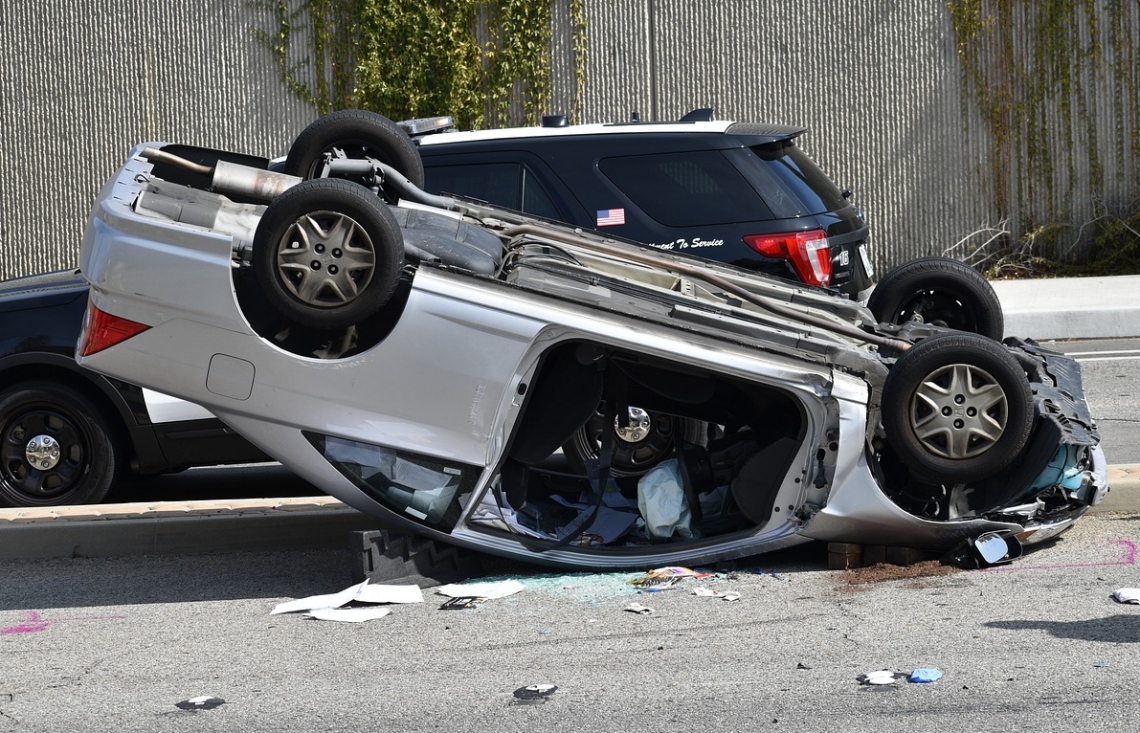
(88, 454)
(957, 408)
(633, 457)
(360, 134)
(939, 290)
(327, 254)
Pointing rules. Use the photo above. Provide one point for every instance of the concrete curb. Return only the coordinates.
(1071, 308)
(257, 525)
(168, 528)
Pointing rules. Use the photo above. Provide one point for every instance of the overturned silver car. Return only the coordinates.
(425, 359)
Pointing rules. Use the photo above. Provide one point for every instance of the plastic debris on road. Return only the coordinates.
(463, 596)
(638, 609)
(1126, 595)
(535, 693)
(925, 674)
(887, 677)
(710, 593)
(881, 677)
(667, 577)
(462, 603)
(203, 702)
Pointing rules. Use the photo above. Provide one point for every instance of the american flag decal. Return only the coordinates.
(611, 217)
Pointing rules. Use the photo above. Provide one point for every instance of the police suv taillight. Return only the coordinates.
(102, 330)
(809, 252)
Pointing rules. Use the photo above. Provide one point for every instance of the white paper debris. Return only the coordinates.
(390, 594)
(349, 615)
(638, 609)
(489, 591)
(331, 600)
(361, 592)
(710, 593)
(1126, 595)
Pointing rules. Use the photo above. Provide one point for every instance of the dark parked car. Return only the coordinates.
(66, 433)
(741, 193)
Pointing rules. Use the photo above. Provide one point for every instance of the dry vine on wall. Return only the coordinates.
(1034, 71)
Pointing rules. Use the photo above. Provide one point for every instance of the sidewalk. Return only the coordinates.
(1071, 308)
(1080, 308)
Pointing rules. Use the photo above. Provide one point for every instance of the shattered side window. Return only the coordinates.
(425, 489)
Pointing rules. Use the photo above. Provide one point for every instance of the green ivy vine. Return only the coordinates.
(1033, 69)
(485, 62)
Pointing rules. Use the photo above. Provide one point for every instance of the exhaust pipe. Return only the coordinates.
(232, 178)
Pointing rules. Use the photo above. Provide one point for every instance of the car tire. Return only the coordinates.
(651, 438)
(77, 456)
(359, 134)
(327, 254)
(957, 408)
(942, 291)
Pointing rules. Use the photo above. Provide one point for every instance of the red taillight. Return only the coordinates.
(809, 252)
(101, 330)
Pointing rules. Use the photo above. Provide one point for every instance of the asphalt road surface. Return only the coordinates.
(1111, 376)
(104, 644)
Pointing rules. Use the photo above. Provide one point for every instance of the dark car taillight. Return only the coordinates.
(102, 330)
(809, 252)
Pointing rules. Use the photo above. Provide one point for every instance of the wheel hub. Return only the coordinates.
(43, 452)
(959, 412)
(639, 426)
(326, 259)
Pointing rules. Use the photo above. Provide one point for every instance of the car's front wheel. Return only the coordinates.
(957, 408)
(942, 291)
(56, 447)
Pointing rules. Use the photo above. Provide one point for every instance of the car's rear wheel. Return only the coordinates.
(56, 447)
(957, 408)
(359, 134)
(327, 254)
(649, 438)
(942, 291)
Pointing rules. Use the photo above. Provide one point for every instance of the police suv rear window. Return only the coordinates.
(790, 182)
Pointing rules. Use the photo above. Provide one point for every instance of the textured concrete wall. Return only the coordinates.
(81, 82)
(878, 82)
